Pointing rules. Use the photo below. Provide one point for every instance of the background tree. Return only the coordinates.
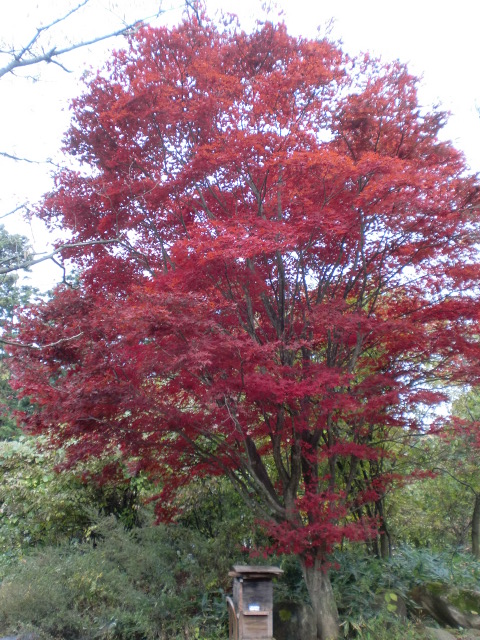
(297, 274)
(460, 459)
(40, 507)
(46, 37)
(446, 506)
(435, 511)
(13, 295)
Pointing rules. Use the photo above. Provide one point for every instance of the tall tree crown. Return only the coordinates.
(295, 270)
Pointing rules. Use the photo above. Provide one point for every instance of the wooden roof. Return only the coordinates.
(254, 571)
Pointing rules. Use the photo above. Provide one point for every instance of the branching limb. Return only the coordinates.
(29, 262)
(25, 57)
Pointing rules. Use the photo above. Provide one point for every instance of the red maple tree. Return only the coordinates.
(295, 273)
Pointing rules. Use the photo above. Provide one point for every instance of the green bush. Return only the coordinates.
(290, 586)
(383, 628)
(41, 506)
(38, 505)
(158, 582)
(361, 582)
(168, 582)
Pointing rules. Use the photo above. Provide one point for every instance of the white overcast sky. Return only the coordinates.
(438, 39)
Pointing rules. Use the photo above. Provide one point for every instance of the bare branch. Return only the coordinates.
(193, 6)
(46, 27)
(26, 58)
(12, 156)
(29, 262)
(17, 208)
(13, 343)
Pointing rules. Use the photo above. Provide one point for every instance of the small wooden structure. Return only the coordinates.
(251, 609)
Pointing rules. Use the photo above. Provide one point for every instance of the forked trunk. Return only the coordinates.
(324, 607)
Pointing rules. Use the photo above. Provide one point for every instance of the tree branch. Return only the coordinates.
(13, 343)
(29, 262)
(26, 58)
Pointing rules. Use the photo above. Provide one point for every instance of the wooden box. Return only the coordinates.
(251, 610)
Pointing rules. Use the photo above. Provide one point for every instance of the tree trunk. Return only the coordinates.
(323, 601)
(476, 527)
(384, 546)
(373, 547)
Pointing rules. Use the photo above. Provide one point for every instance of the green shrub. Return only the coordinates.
(383, 628)
(159, 582)
(290, 586)
(41, 506)
(38, 505)
(360, 580)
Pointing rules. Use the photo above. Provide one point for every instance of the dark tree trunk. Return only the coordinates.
(476, 527)
(385, 546)
(383, 533)
(321, 595)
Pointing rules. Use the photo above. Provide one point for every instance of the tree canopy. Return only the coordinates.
(295, 274)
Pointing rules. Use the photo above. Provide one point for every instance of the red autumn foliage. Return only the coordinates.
(296, 273)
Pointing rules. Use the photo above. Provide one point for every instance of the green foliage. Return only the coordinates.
(410, 567)
(13, 248)
(467, 405)
(436, 512)
(41, 506)
(156, 582)
(167, 582)
(8, 403)
(212, 507)
(433, 513)
(367, 587)
(38, 505)
(290, 587)
(73, 574)
(12, 294)
(382, 628)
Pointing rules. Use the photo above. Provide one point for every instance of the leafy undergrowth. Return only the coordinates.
(383, 628)
(365, 588)
(158, 583)
(168, 582)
